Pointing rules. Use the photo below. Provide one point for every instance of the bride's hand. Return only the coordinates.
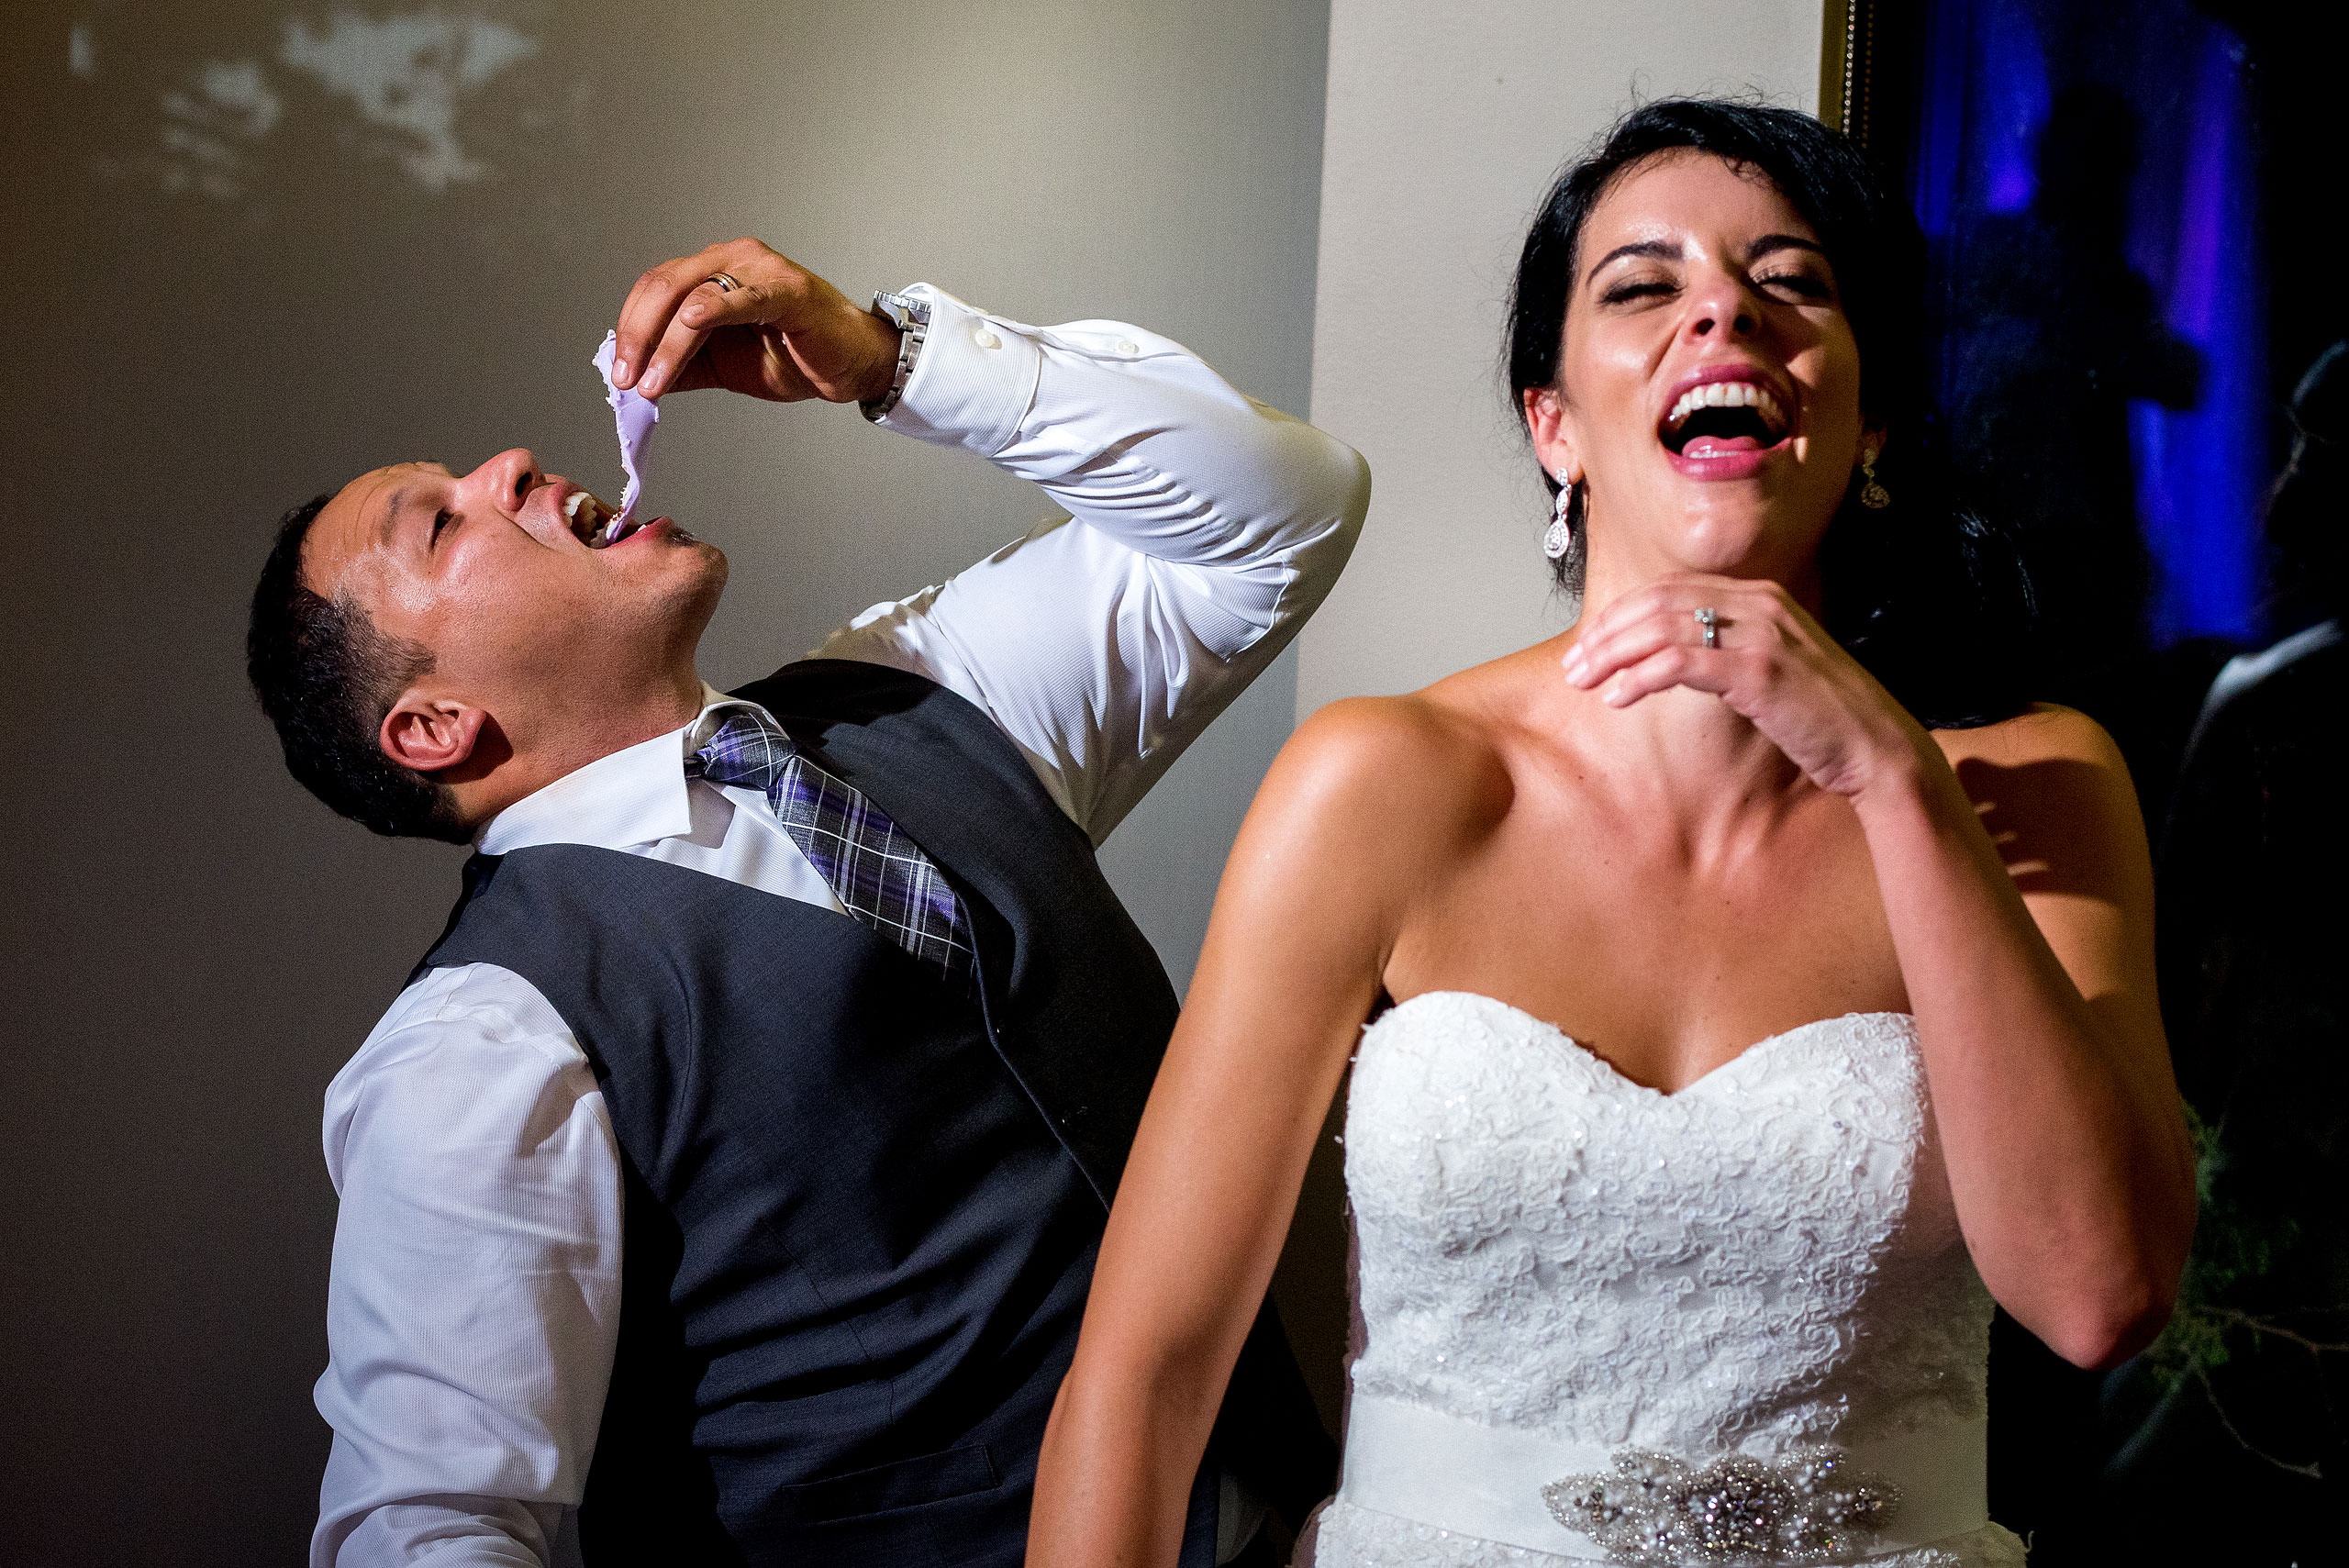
(1774, 666)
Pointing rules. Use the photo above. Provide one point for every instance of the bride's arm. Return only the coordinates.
(2030, 966)
(1289, 971)
(2031, 972)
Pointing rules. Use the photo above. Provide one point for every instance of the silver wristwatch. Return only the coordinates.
(911, 319)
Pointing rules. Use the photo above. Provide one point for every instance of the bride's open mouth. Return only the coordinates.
(596, 525)
(1714, 424)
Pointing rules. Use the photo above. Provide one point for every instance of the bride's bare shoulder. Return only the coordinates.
(1415, 764)
(2040, 733)
(2053, 787)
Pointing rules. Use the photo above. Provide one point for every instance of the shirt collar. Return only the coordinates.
(634, 795)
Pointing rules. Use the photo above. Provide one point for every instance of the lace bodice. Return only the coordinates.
(1766, 1260)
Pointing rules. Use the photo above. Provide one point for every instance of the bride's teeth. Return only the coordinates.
(1728, 394)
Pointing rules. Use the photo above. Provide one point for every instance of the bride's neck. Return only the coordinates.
(1691, 751)
(1693, 748)
(1612, 573)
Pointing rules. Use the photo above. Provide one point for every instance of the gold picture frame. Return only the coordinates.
(1847, 71)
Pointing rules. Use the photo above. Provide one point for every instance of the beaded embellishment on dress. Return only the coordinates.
(1813, 1506)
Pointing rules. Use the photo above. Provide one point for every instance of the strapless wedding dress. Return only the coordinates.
(1733, 1325)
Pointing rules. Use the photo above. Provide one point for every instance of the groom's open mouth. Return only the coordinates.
(596, 525)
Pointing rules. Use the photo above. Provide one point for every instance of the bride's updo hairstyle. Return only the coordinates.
(1926, 594)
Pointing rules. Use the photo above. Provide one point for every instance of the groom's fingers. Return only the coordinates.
(649, 309)
(830, 347)
(754, 360)
(665, 320)
(676, 306)
(680, 342)
(651, 317)
(767, 291)
(681, 329)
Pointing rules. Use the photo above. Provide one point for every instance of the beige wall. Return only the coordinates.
(1446, 124)
(250, 250)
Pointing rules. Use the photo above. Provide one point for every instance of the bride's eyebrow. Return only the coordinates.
(1771, 243)
(1661, 249)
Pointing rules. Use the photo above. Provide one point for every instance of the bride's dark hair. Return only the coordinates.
(1927, 594)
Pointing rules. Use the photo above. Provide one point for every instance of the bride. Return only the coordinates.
(1771, 990)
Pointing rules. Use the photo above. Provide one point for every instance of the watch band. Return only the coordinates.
(911, 319)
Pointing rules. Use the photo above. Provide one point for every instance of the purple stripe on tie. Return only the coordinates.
(880, 876)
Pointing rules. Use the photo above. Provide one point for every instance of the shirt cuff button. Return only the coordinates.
(1129, 348)
(986, 339)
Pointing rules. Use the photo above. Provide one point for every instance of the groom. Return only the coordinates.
(725, 1184)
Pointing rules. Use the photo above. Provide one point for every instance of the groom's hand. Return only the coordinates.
(782, 333)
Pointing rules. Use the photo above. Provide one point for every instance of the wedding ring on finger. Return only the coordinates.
(1709, 620)
(726, 281)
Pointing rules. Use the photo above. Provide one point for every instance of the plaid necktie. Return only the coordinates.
(879, 874)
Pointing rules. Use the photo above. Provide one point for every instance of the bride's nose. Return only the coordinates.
(1721, 306)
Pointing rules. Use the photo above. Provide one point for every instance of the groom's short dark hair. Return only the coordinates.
(326, 676)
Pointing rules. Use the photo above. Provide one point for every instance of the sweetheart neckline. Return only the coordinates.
(1617, 1073)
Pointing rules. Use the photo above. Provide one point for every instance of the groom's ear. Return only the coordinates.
(430, 734)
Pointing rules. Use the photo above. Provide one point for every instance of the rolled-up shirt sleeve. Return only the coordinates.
(1202, 527)
(475, 1299)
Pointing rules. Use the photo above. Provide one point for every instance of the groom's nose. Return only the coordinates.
(503, 481)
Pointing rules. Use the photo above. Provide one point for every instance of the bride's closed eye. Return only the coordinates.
(1794, 286)
(1629, 289)
(1803, 286)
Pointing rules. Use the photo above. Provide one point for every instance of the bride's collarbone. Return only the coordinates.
(1556, 876)
(1663, 977)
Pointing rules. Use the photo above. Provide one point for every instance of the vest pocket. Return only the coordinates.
(901, 1484)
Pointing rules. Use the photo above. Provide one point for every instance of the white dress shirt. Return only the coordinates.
(474, 1304)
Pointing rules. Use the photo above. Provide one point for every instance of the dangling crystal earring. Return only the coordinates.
(1874, 496)
(1559, 537)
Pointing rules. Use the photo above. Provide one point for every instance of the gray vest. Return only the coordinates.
(861, 1207)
